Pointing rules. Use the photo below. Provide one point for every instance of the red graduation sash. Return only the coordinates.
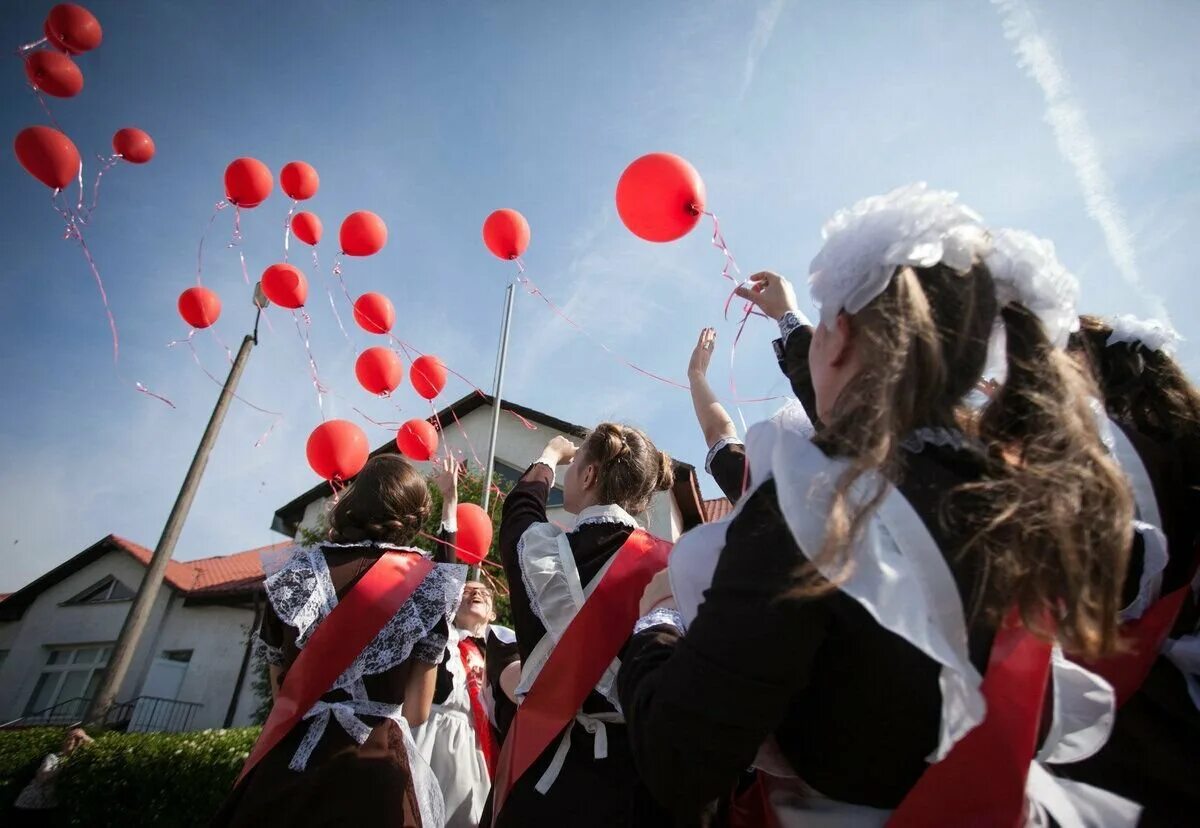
(337, 641)
(579, 659)
(1145, 636)
(981, 782)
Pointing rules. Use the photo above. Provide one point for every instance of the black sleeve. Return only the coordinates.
(444, 682)
(500, 654)
(445, 550)
(698, 707)
(524, 506)
(728, 468)
(792, 356)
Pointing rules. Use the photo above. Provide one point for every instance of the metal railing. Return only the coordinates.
(144, 714)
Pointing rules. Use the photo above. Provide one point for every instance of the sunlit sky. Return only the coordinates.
(434, 114)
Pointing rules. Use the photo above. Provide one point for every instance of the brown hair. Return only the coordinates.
(629, 469)
(1053, 527)
(389, 502)
(1144, 389)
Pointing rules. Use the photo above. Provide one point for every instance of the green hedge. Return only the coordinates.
(159, 779)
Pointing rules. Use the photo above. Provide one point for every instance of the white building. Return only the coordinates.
(193, 668)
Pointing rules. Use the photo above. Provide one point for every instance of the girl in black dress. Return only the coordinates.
(838, 623)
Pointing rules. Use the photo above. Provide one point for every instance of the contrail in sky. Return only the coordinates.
(1075, 141)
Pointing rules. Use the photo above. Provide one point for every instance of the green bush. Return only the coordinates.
(158, 779)
(21, 751)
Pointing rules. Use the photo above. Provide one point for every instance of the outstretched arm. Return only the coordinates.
(446, 478)
(726, 460)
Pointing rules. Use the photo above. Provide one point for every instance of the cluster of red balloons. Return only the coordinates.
(46, 153)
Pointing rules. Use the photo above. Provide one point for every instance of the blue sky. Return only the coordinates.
(434, 114)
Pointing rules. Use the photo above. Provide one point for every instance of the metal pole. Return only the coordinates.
(496, 395)
(143, 602)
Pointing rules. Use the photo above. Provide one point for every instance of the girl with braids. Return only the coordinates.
(352, 760)
(1154, 432)
(585, 776)
(888, 554)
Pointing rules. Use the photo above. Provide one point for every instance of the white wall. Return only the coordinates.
(518, 446)
(46, 624)
(216, 635)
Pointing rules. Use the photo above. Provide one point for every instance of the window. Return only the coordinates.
(183, 656)
(509, 475)
(109, 589)
(71, 673)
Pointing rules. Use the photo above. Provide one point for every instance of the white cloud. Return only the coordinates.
(1035, 54)
(760, 37)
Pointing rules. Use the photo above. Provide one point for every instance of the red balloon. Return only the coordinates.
(417, 440)
(362, 234)
(54, 73)
(337, 450)
(506, 234)
(47, 155)
(379, 370)
(134, 145)
(285, 285)
(660, 197)
(299, 180)
(428, 376)
(199, 307)
(307, 227)
(248, 182)
(374, 313)
(474, 533)
(72, 28)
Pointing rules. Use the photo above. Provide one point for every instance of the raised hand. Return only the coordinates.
(702, 354)
(771, 292)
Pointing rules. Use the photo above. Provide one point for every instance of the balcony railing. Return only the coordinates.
(144, 714)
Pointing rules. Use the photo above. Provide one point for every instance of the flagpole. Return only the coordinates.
(497, 389)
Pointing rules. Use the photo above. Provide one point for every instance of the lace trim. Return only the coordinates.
(302, 594)
(922, 438)
(607, 513)
(542, 461)
(790, 322)
(716, 449)
(269, 654)
(658, 617)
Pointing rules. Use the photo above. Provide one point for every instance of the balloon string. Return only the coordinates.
(390, 425)
(75, 232)
(278, 416)
(221, 342)
(408, 350)
(534, 290)
(287, 228)
(218, 207)
(106, 164)
(312, 362)
(465, 554)
(29, 47)
(46, 108)
(337, 274)
(338, 317)
(729, 271)
(441, 431)
(467, 439)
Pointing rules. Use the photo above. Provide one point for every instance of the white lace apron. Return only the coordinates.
(447, 741)
(896, 556)
(555, 596)
(302, 594)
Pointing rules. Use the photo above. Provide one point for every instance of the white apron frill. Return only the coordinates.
(448, 743)
(901, 578)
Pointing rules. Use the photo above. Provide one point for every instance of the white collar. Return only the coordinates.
(605, 513)
(378, 545)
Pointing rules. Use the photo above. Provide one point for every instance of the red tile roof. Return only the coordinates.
(207, 576)
(716, 509)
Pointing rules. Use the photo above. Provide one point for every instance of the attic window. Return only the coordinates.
(106, 591)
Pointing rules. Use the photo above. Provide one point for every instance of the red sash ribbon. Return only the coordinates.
(981, 782)
(588, 645)
(1127, 671)
(337, 641)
